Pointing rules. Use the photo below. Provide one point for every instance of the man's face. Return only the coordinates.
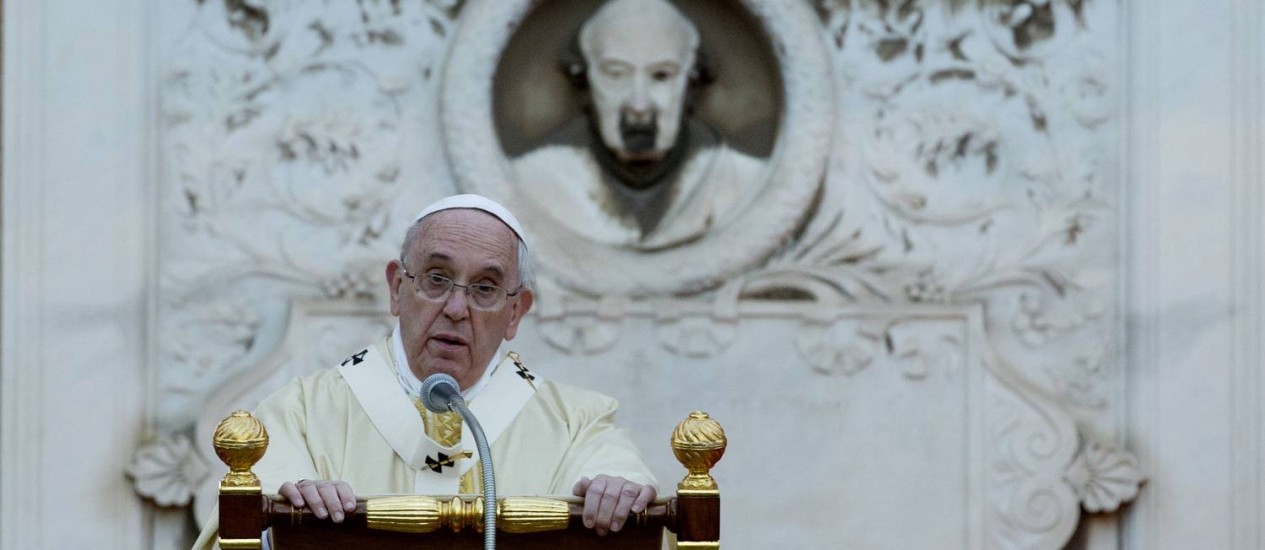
(638, 70)
(467, 246)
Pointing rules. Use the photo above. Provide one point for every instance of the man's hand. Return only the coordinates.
(325, 498)
(608, 501)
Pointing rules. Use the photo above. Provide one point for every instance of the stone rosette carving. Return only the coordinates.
(1104, 477)
(591, 331)
(167, 470)
(846, 346)
(841, 347)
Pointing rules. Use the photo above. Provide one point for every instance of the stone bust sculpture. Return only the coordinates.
(638, 171)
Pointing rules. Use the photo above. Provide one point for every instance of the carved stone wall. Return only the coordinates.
(949, 304)
(1037, 243)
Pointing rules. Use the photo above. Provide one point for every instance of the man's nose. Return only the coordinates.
(639, 104)
(457, 305)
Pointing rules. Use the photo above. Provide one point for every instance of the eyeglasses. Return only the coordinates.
(434, 287)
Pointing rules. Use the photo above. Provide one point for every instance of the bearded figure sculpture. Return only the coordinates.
(638, 171)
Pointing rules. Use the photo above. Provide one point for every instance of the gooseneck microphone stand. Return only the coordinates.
(440, 394)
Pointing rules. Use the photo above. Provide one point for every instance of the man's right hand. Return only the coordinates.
(331, 499)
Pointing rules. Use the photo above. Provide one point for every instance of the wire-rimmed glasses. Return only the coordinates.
(482, 296)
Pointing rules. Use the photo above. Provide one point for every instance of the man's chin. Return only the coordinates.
(455, 369)
(464, 371)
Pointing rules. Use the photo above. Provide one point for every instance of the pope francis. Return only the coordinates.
(460, 288)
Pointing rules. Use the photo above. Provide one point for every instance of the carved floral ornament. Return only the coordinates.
(167, 471)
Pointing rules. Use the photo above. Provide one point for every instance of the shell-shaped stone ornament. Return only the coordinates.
(167, 470)
(240, 441)
(1104, 477)
(698, 443)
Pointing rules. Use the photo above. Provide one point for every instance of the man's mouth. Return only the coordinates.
(639, 137)
(449, 340)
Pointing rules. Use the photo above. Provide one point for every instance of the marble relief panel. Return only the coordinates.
(939, 204)
(296, 143)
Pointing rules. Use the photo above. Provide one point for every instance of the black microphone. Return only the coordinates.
(441, 394)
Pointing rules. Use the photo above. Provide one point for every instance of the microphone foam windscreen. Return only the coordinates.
(437, 391)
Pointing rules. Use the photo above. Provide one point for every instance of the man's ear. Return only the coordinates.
(520, 308)
(573, 65)
(395, 277)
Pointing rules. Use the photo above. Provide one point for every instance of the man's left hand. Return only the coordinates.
(608, 501)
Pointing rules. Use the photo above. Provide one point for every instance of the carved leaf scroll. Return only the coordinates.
(288, 130)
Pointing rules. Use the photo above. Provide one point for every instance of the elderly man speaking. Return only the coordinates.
(460, 288)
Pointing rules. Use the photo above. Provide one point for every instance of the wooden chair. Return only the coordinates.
(456, 522)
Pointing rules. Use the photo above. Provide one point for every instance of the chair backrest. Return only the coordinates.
(419, 521)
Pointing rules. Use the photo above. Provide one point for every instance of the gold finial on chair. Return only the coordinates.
(698, 443)
(240, 441)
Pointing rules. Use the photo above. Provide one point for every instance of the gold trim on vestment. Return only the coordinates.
(472, 481)
(522, 369)
(444, 428)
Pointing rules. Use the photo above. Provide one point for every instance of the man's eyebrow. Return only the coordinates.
(494, 270)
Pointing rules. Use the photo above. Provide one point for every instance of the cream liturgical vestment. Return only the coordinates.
(356, 424)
